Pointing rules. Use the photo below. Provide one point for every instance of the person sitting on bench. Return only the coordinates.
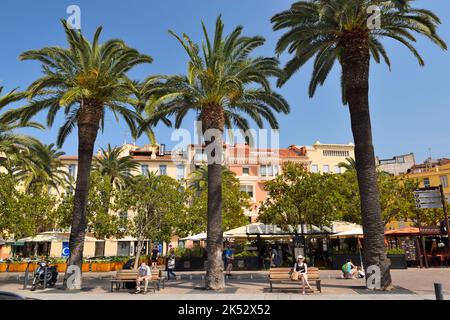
(144, 274)
(302, 269)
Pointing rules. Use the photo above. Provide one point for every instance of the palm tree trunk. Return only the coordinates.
(356, 66)
(88, 125)
(213, 119)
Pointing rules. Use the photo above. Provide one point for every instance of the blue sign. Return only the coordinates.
(160, 247)
(65, 249)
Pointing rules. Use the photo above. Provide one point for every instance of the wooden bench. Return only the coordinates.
(280, 275)
(124, 276)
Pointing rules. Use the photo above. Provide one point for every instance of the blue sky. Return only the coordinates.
(410, 106)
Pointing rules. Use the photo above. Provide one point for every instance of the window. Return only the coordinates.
(248, 189)
(180, 171)
(144, 169)
(336, 153)
(337, 169)
(162, 170)
(72, 170)
(426, 182)
(400, 159)
(444, 181)
(315, 168)
(269, 170)
(326, 168)
(245, 171)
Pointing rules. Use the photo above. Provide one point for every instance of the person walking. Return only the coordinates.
(155, 256)
(228, 260)
(171, 265)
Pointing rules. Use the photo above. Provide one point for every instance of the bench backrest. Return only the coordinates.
(285, 273)
(133, 274)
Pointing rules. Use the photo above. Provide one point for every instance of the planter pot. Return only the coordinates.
(85, 267)
(398, 261)
(117, 266)
(61, 267)
(246, 263)
(101, 267)
(17, 267)
(2, 267)
(338, 260)
(190, 264)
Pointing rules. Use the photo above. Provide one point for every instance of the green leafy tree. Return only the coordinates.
(223, 85)
(84, 80)
(341, 30)
(235, 202)
(298, 197)
(25, 214)
(157, 203)
(102, 220)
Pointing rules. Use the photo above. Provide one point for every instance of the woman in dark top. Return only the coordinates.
(302, 269)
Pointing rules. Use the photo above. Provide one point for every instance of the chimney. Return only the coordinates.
(162, 150)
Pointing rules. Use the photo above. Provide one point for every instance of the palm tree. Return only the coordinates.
(11, 142)
(198, 180)
(84, 80)
(331, 30)
(223, 83)
(41, 166)
(117, 167)
(349, 164)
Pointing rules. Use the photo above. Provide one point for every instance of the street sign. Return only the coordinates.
(429, 206)
(65, 250)
(428, 198)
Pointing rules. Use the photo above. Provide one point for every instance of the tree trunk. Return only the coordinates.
(355, 66)
(138, 253)
(88, 125)
(213, 118)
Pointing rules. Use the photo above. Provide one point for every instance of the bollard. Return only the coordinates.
(25, 280)
(45, 277)
(438, 291)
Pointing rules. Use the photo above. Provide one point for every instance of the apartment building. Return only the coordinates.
(326, 157)
(397, 165)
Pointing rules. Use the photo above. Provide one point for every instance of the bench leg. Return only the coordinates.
(319, 286)
(271, 288)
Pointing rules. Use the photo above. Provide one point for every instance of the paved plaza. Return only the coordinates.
(411, 284)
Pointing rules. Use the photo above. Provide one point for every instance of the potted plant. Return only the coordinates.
(398, 258)
(100, 266)
(59, 263)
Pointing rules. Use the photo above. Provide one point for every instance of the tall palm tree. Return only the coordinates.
(222, 85)
(112, 164)
(341, 30)
(84, 80)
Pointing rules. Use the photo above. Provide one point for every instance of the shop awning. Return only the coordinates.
(269, 231)
(196, 237)
(53, 237)
(413, 231)
(352, 233)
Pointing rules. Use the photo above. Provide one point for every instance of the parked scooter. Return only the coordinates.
(39, 276)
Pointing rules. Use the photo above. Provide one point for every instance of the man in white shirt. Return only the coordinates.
(144, 274)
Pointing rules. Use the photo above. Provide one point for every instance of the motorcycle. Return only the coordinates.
(39, 276)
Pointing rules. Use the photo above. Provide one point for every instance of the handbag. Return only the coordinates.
(294, 275)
